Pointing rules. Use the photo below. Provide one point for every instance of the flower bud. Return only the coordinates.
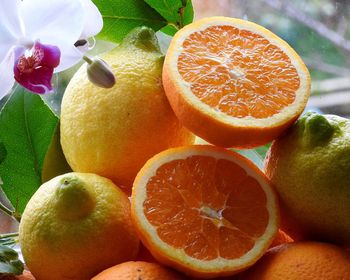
(99, 72)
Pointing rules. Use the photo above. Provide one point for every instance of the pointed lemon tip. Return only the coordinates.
(74, 198)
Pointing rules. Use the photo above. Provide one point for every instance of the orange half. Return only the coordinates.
(233, 82)
(204, 210)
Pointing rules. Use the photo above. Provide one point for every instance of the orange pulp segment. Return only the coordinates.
(205, 210)
(238, 72)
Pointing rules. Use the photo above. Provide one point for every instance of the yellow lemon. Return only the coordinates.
(75, 226)
(310, 168)
(113, 132)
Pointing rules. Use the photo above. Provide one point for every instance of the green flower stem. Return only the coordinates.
(87, 59)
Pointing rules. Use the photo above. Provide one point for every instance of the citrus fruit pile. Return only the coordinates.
(194, 211)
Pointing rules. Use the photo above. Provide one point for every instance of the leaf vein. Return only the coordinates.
(30, 141)
(134, 18)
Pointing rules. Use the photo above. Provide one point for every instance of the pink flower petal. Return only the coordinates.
(35, 71)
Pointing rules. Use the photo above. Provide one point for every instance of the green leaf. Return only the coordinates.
(169, 30)
(3, 152)
(188, 14)
(9, 262)
(178, 13)
(262, 150)
(26, 129)
(120, 17)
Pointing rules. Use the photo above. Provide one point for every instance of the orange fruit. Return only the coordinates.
(281, 238)
(232, 277)
(233, 82)
(204, 210)
(301, 261)
(137, 271)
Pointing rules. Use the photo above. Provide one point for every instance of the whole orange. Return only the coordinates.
(301, 261)
(138, 270)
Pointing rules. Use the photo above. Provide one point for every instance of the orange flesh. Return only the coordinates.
(238, 72)
(209, 207)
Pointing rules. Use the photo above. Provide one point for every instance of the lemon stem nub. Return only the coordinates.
(74, 201)
(317, 128)
(143, 38)
(99, 72)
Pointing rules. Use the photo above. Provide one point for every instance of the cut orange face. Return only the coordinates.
(204, 210)
(233, 82)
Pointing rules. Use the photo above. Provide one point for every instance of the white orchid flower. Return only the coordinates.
(40, 37)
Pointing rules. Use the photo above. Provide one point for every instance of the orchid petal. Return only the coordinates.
(10, 26)
(70, 55)
(35, 72)
(6, 74)
(58, 22)
(93, 19)
(4, 49)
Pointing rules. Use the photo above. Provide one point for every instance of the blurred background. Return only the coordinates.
(317, 29)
